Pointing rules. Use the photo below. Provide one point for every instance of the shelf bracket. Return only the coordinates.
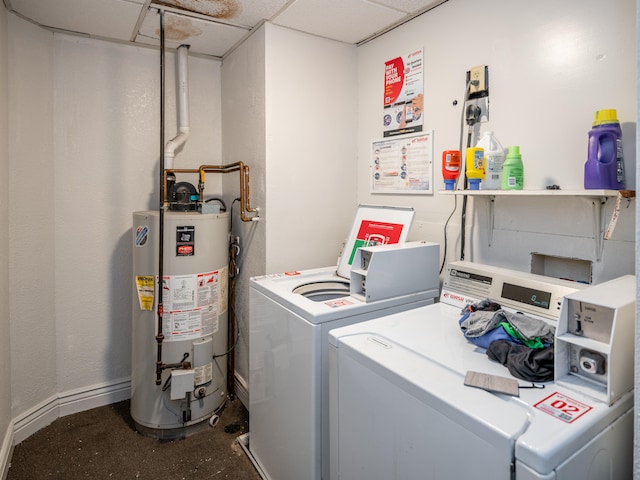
(628, 194)
(491, 200)
(597, 198)
(492, 204)
(598, 225)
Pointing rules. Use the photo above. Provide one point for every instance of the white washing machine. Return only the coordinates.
(290, 317)
(399, 407)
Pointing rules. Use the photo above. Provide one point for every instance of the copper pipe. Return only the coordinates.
(245, 206)
(232, 167)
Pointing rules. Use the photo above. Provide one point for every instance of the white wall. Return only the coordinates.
(6, 427)
(31, 183)
(289, 112)
(84, 129)
(108, 115)
(243, 133)
(107, 130)
(311, 168)
(548, 74)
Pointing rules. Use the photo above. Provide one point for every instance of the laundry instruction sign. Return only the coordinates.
(402, 164)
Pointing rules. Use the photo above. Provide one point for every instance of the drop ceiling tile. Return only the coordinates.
(114, 19)
(238, 12)
(204, 37)
(345, 20)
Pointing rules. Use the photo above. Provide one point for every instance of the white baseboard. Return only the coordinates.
(34, 419)
(66, 403)
(6, 449)
(94, 396)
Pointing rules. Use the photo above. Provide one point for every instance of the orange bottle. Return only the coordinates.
(450, 168)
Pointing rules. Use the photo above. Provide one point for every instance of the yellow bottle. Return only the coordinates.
(475, 167)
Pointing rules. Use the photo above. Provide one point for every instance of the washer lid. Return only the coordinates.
(374, 225)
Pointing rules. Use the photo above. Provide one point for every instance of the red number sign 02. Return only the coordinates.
(562, 407)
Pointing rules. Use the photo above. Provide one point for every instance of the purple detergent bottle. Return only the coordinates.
(604, 168)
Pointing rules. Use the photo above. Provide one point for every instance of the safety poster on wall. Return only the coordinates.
(403, 106)
(403, 164)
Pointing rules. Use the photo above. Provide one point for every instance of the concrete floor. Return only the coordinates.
(103, 443)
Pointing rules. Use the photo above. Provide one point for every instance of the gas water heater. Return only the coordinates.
(189, 387)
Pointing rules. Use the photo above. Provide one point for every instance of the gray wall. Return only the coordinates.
(5, 339)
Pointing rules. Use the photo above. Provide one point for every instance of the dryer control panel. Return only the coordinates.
(467, 282)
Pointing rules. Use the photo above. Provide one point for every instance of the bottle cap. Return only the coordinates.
(474, 184)
(605, 116)
(514, 151)
(449, 184)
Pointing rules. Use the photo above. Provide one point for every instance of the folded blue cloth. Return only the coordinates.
(498, 333)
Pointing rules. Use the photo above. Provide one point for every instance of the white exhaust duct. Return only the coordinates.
(183, 109)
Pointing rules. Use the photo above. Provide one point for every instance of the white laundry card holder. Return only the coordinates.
(492, 383)
(374, 225)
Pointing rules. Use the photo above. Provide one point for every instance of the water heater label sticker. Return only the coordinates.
(209, 320)
(193, 303)
(145, 286)
(223, 291)
(204, 374)
(562, 407)
(208, 284)
(142, 235)
(185, 241)
(179, 292)
(182, 325)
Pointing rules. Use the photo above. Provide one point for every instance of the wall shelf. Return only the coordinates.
(597, 198)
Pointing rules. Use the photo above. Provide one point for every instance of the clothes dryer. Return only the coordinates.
(399, 406)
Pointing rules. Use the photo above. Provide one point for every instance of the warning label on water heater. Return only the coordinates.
(193, 303)
(145, 285)
(185, 241)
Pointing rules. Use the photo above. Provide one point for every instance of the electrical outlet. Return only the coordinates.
(483, 105)
(479, 74)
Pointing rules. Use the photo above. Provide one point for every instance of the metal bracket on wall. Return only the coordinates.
(597, 198)
(626, 194)
(598, 224)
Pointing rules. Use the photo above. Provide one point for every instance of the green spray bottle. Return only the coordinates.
(512, 170)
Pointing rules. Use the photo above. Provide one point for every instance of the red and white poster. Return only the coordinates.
(373, 233)
(403, 110)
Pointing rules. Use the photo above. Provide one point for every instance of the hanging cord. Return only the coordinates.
(472, 113)
(233, 335)
(462, 175)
